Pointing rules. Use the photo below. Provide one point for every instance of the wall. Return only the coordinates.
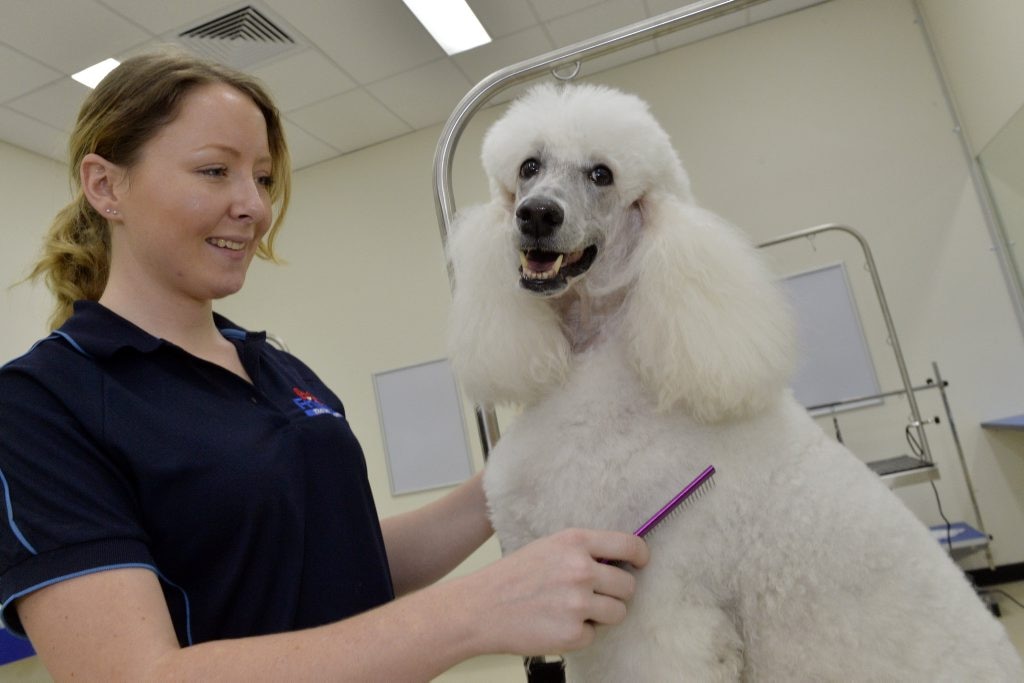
(982, 56)
(33, 189)
(831, 114)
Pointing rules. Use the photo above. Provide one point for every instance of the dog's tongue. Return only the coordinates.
(541, 261)
(540, 265)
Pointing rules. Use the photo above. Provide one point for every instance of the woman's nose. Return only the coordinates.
(251, 201)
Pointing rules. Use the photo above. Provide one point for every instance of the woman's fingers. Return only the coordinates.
(613, 582)
(614, 546)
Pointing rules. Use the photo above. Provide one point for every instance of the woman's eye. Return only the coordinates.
(215, 172)
(601, 175)
(266, 181)
(529, 168)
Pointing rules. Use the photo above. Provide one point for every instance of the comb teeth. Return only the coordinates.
(696, 489)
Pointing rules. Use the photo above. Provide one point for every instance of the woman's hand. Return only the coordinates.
(548, 596)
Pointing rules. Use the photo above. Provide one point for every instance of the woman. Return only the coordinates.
(185, 501)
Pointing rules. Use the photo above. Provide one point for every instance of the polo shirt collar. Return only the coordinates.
(101, 333)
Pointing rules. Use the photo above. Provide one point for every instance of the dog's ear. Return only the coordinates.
(707, 327)
(505, 345)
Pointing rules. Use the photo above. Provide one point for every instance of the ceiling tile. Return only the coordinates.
(483, 61)
(30, 134)
(618, 58)
(349, 121)
(547, 10)
(363, 70)
(778, 7)
(657, 7)
(423, 96)
(504, 17)
(599, 20)
(161, 17)
(372, 40)
(305, 149)
(20, 74)
(703, 30)
(56, 104)
(68, 35)
(303, 79)
(595, 21)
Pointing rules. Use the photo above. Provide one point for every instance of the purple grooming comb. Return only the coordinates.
(702, 483)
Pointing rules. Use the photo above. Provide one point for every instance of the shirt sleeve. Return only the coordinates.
(69, 507)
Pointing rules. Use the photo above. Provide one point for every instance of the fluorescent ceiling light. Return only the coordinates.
(94, 74)
(451, 22)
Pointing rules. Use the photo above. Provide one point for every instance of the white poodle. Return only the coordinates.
(645, 339)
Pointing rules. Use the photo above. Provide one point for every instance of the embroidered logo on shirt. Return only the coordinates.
(311, 405)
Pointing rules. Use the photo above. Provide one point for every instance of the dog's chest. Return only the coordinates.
(595, 454)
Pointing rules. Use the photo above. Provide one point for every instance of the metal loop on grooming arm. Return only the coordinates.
(663, 24)
(575, 72)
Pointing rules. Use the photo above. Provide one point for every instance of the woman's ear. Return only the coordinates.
(101, 184)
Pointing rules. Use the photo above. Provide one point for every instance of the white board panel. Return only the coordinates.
(421, 420)
(834, 362)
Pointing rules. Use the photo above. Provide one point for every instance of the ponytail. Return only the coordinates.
(76, 257)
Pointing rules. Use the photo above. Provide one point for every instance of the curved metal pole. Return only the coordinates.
(890, 327)
(690, 15)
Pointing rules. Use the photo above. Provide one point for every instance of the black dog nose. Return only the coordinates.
(539, 217)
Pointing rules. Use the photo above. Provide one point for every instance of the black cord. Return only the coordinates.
(1009, 597)
(915, 448)
(949, 526)
(835, 424)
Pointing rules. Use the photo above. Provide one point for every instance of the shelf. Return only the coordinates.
(961, 537)
(904, 470)
(1014, 422)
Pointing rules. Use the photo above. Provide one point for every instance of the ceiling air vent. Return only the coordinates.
(241, 39)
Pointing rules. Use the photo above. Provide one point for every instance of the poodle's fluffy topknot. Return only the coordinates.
(575, 122)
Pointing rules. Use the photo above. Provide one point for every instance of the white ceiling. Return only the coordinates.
(362, 71)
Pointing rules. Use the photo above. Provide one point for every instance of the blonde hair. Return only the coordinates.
(117, 119)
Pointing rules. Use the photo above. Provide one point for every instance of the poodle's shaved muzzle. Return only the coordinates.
(549, 272)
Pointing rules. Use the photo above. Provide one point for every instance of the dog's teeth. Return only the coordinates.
(531, 274)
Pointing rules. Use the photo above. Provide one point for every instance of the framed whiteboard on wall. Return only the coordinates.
(422, 427)
(834, 361)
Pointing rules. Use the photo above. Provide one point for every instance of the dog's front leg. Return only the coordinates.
(671, 633)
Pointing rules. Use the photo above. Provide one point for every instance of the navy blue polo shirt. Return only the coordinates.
(250, 502)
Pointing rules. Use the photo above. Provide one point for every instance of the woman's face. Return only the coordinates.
(197, 202)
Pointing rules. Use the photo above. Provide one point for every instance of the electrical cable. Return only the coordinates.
(915, 448)
(1006, 595)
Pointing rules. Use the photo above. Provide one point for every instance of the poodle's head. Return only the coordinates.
(592, 233)
(572, 165)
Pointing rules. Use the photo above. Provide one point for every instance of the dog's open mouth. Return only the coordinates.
(547, 272)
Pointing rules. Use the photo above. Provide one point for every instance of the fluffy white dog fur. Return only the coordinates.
(672, 352)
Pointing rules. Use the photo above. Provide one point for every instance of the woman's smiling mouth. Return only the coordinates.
(225, 244)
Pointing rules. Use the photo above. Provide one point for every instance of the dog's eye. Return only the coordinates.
(530, 168)
(601, 175)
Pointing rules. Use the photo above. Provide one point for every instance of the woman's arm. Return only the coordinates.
(427, 543)
(546, 597)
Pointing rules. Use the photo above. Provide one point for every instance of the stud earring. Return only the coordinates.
(112, 212)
